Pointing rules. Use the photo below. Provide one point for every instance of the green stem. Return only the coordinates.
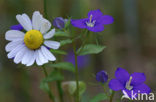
(76, 76)
(45, 9)
(60, 90)
(104, 89)
(59, 87)
(49, 93)
(111, 97)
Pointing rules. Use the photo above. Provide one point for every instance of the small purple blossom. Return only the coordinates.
(59, 22)
(16, 27)
(129, 82)
(102, 77)
(83, 61)
(95, 21)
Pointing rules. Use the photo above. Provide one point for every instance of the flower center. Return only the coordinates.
(91, 22)
(33, 39)
(128, 84)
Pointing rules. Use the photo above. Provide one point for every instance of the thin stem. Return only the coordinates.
(104, 89)
(49, 92)
(59, 87)
(76, 76)
(60, 90)
(111, 97)
(45, 8)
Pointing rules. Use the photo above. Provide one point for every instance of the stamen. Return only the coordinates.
(91, 23)
(91, 16)
(128, 84)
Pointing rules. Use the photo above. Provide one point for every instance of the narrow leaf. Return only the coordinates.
(98, 98)
(63, 65)
(64, 42)
(61, 34)
(61, 52)
(90, 49)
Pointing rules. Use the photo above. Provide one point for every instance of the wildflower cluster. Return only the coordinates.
(35, 42)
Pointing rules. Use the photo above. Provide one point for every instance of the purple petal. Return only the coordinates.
(96, 28)
(128, 92)
(81, 23)
(95, 13)
(115, 85)
(106, 19)
(138, 78)
(138, 90)
(82, 61)
(143, 88)
(16, 27)
(122, 75)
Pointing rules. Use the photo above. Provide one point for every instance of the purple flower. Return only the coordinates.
(102, 77)
(95, 21)
(129, 83)
(16, 27)
(83, 61)
(59, 22)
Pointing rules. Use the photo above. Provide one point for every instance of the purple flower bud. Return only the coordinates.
(16, 27)
(59, 22)
(102, 77)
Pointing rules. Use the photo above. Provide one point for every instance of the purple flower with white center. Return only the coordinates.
(102, 77)
(83, 61)
(95, 21)
(16, 27)
(129, 83)
(59, 22)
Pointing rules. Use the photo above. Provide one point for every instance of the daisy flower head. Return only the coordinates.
(95, 21)
(33, 45)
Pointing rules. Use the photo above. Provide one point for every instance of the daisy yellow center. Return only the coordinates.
(33, 39)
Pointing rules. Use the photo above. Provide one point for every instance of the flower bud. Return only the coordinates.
(59, 22)
(102, 77)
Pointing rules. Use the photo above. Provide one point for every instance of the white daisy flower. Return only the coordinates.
(32, 46)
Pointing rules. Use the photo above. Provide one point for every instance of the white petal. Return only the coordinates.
(15, 51)
(37, 20)
(38, 62)
(52, 44)
(10, 46)
(25, 21)
(12, 35)
(19, 56)
(50, 34)
(45, 26)
(42, 58)
(32, 60)
(47, 54)
(27, 56)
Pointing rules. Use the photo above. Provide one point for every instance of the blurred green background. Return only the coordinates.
(130, 41)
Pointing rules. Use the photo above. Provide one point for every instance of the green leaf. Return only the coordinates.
(63, 65)
(61, 52)
(64, 42)
(53, 76)
(98, 98)
(90, 49)
(61, 34)
(44, 86)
